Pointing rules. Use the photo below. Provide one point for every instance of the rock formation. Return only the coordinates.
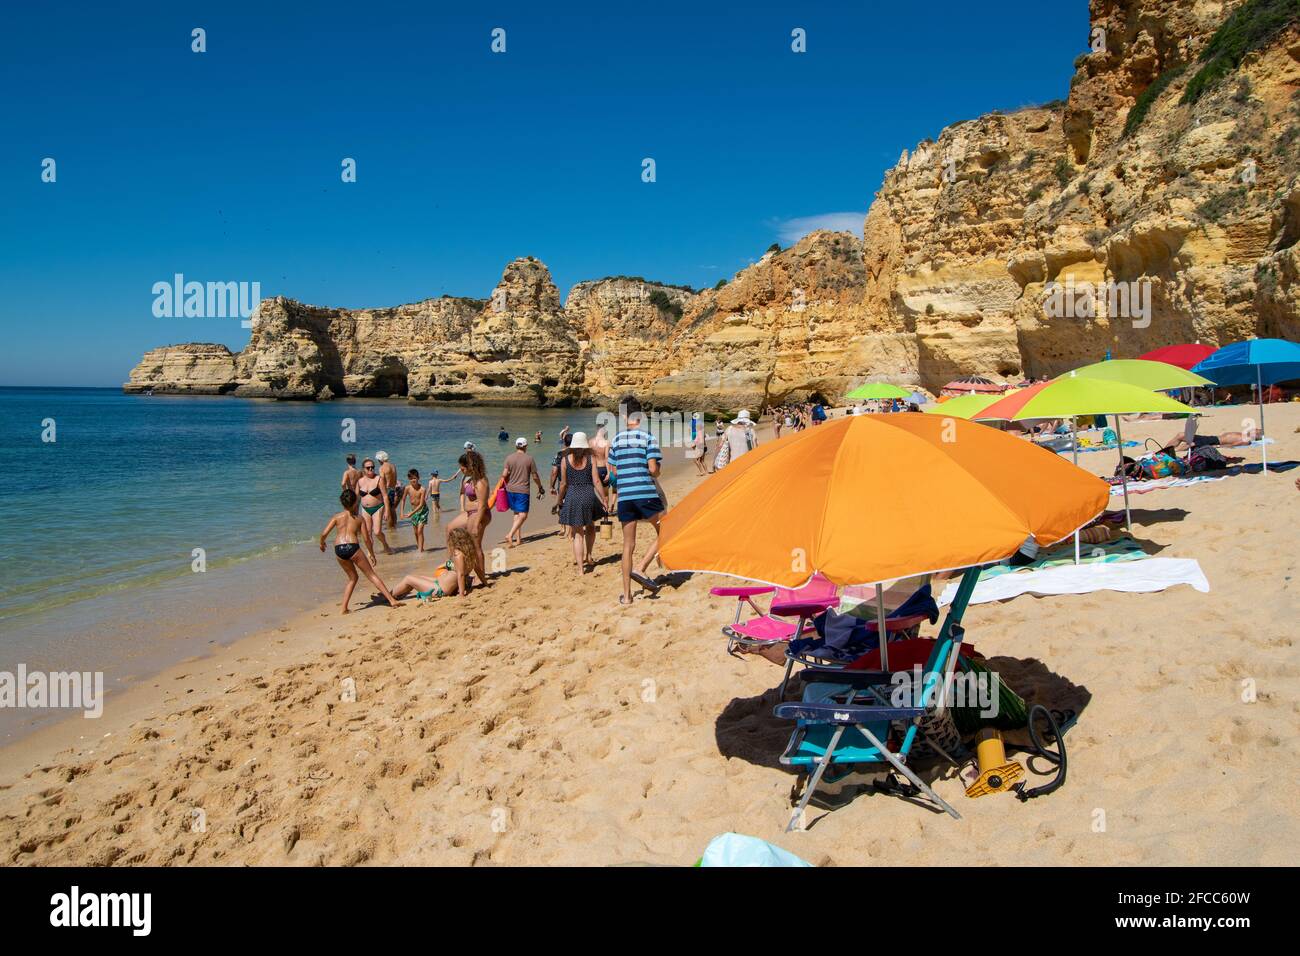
(1149, 177)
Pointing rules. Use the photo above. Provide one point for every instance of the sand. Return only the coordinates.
(536, 722)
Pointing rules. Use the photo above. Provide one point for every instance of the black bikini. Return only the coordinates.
(346, 551)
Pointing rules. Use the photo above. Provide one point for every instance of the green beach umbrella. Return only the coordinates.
(1073, 395)
(963, 406)
(1153, 376)
(879, 390)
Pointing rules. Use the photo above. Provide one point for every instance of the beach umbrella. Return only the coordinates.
(972, 384)
(1074, 395)
(872, 498)
(878, 390)
(1153, 376)
(1257, 362)
(1183, 356)
(963, 406)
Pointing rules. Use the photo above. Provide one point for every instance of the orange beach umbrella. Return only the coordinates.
(870, 498)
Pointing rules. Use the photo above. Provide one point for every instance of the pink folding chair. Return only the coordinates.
(772, 627)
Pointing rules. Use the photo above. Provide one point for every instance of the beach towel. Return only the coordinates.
(1144, 487)
(1122, 548)
(1152, 574)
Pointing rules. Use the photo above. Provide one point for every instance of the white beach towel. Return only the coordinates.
(1151, 574)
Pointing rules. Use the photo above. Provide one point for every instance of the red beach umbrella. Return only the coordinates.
(1184, 356)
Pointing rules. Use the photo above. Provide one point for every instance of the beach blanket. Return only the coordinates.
(1152, 574)
(1142, 487)
(1122, 548)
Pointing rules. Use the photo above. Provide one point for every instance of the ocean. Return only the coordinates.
(111, 494)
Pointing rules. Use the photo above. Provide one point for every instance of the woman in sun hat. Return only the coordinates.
(740, 434)
(582, 499)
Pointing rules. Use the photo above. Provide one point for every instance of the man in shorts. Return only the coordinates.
(634, 459)
(520, 467)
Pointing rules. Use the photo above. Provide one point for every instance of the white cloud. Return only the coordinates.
(790, 231)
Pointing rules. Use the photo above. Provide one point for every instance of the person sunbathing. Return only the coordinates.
(1187, 439)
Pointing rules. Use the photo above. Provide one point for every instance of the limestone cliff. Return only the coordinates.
(1172, 165)
(199, 368)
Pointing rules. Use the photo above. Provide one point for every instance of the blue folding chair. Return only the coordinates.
(845, 717)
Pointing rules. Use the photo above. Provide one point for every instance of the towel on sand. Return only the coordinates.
(1152, 574)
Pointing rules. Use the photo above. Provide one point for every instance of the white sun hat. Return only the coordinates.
(742, 418)
(579, 441)
(521, 442)
(381, 456)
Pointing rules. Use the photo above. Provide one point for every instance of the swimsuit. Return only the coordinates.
(420, 515)
(375, 492)
(346, 551)
(394, 496)
(437, 588)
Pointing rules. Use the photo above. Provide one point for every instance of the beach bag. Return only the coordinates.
(502, 500)
(1162, 466)
(1108, 437)
(724, 456)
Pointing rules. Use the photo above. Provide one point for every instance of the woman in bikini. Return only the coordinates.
(348, 551)
(416, 496)
(370, 493)
(475, 504)
(454, 576)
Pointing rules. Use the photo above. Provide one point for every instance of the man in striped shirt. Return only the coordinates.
(634, 458)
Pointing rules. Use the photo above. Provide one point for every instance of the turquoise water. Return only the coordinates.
(100, 524)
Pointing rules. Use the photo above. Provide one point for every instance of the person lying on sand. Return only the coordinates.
(453, 577)
(347, 550)
(1188, 439)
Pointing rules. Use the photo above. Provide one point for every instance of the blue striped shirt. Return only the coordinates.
(630, 454)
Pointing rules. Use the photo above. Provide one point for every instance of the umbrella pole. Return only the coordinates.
(1123, 476)
(880, 627)
(1259, 384)
(1074, 442)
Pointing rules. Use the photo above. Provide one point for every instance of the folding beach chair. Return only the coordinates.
(841, 639)
(847, 718)
(774, 626)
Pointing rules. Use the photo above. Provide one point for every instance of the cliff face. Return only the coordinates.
(199, 368)
(1196, 204)
(1194, 209)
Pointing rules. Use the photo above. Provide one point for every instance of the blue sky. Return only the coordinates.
(225, 165)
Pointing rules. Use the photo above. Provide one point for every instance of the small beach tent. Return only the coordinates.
(1257, 362)
(1183, 356)
(878, 390)
(918, 398)
(1074, 395)
(963, 406)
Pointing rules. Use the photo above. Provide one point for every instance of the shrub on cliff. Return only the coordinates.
(1251, 26)
(1148, 96)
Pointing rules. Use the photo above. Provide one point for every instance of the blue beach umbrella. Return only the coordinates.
(1257, 362)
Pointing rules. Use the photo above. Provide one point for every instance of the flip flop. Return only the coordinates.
(645, 582)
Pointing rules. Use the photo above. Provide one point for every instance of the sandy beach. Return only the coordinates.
(537, 722)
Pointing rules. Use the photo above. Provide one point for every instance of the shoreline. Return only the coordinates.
(636, 736)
